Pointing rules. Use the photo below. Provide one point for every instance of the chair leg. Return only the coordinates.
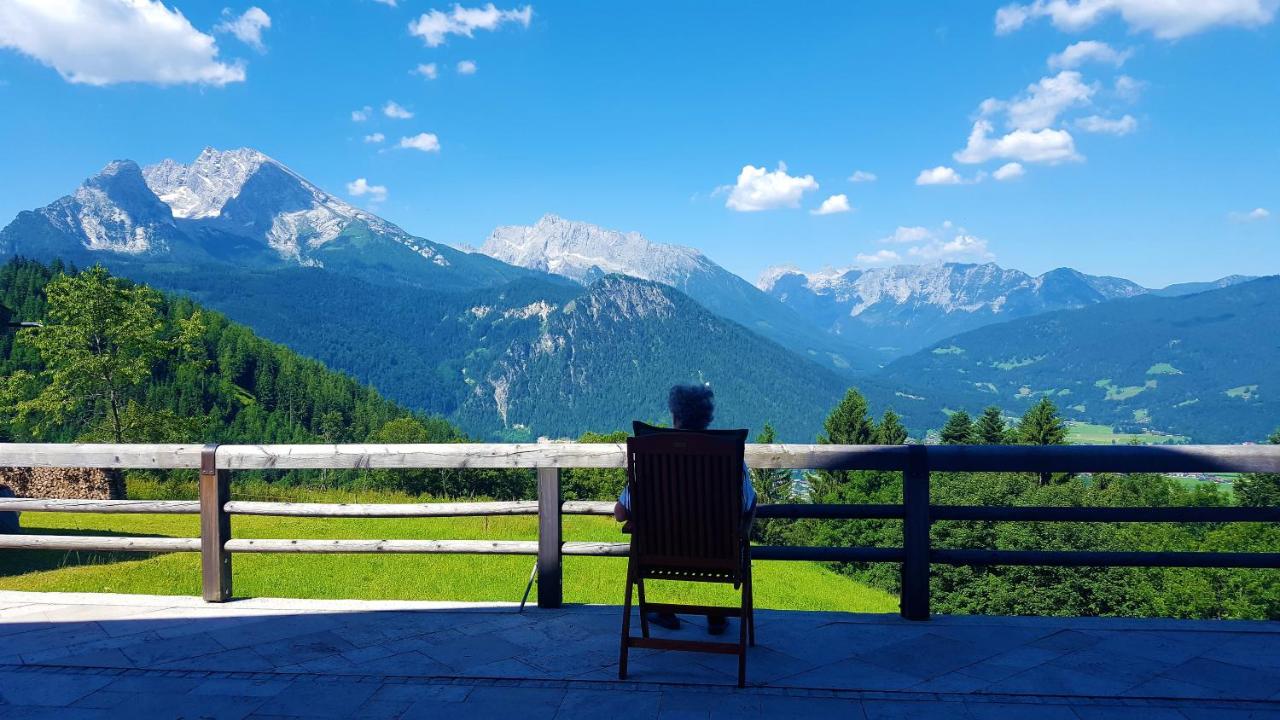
(743, 621)
(644, 619)
(751, 611)
(626, 629)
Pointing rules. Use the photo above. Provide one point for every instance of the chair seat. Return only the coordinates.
(688, 575)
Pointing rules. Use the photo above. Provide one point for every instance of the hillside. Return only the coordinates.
(237, 387)
(1200, 365)
(584, 252)
(530, 358)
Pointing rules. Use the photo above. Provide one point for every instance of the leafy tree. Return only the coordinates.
(100, 342)
(594, 483)
(772, 486)
(959, 429)
(1041, 425)
(1260, 489)
(891, 431)
(990, 428)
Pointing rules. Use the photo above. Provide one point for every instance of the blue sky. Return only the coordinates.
(643, 117)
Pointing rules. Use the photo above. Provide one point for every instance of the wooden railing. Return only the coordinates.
(916, 462)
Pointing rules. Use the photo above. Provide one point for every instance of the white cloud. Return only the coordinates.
(961, 247)
(946, 243)
(247, 27)
(879, 257)
(426, 142)
(388, 3)
(861, 176)
(904, 235)
(1043, 101)
(427, 70)
(361, 187)
(375, 138)
(759, 189)
(1167, 19)
(395, 110)
(1112, 126)
(1128, 88)
(1253, 215)
(941, 175)
(467, 67)
(1038, 146)
(435, 26)
(1085, 51)
(833, 205)
(101, 42)
(1009, 171)
(362, 114)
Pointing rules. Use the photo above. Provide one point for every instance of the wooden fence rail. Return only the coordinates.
(917, 463)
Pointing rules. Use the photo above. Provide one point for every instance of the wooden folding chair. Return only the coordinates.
(687, 524)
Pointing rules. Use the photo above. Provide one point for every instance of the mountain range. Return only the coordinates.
(1200, 366)
(560, 326)
(901, 309)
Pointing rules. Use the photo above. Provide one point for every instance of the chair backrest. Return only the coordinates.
(686, 500)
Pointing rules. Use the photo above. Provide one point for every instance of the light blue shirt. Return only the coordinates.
(748, 492)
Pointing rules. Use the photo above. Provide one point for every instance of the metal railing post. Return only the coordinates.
(215, 527)
(914, 601)
(550, 576)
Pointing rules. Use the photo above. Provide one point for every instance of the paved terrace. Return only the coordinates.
(71, 656)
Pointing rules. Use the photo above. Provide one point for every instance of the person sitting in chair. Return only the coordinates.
(692, 408)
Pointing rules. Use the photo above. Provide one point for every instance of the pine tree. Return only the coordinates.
(990, 428)
(891, 431)
(1260, 489)
(849, 423)
(772, 485)
(959, 429)
(1041, 425)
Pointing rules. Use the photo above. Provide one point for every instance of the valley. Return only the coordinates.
(562, 327)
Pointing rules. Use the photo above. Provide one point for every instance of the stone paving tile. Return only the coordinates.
(492, 702)
(1016, 711)
(1193, 713)
(1127, 712)
(318, 697)
(1249, 650)
(1111, 665)
(1067, 640)
(852, 673)
(241, 659)
(595, 704)
(47, 689)
(264, 687)
(1052, 680)
(1168, 647)
(929, 655)
(934, 710)
(1236, 681)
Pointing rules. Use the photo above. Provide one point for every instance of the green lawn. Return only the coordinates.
(789, 585)
(1090, 434)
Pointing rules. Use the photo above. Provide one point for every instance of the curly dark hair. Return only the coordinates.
(692, 406)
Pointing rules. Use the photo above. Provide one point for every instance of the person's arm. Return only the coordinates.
(619, 512)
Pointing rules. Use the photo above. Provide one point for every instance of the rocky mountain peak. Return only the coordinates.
(583, 252)
(201, 189)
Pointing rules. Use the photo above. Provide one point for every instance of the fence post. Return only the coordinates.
(215, 528)
(550, 577)
(915, 535)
